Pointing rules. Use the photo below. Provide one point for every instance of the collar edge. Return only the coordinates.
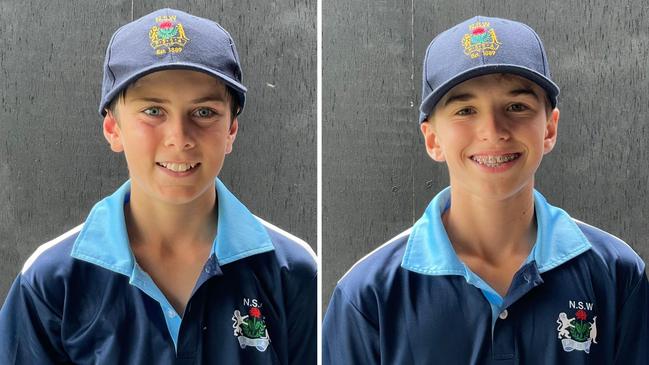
(242, 255)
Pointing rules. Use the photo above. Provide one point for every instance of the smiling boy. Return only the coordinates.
(491, 273)
(171, 268)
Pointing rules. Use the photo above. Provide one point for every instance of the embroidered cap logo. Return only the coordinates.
(481, 40)
(168, 36)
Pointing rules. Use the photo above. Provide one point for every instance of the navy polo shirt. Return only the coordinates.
(83, 299)
(581, 297)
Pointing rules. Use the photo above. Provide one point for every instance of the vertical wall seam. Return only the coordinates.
(413, 104)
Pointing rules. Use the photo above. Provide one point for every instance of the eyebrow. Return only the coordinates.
(152, 100)
(458, 97)
(215, 97)
(524, 91)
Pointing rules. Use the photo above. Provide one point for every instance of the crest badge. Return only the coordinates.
(580, 331)
(481, 40)
(167, 36)
(250, 328)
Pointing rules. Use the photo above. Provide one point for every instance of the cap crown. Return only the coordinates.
(168, 39)
(479, 46)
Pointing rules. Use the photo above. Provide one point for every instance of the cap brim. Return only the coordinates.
(236, 86)
(429, 103)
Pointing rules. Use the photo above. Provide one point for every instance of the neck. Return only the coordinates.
(171, 227)
(494, 230)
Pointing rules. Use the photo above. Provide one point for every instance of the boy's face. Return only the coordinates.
(175, 128)
(492, 131)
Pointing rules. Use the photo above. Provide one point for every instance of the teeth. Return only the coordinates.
(177, 167)
(494, 161)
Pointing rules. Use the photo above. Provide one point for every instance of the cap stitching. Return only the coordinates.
(426, 65)
(539, 44)
(103, 103)
(108, 56)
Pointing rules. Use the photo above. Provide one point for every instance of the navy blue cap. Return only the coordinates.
(479, 46)
(169, 39)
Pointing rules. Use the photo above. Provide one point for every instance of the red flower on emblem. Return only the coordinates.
(478, 31)
(166, 24)
(581, 315)
(254, 312)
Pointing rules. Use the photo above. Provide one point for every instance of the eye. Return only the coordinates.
(517, 108)
(153, 111)
(204, 113)
(465, 111)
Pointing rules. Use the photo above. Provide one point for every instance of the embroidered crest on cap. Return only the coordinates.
(481, 40)
(250, 329)
(577, 333)
(168, 36)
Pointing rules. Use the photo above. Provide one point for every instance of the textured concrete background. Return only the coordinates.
(54, 161)
(377, 178)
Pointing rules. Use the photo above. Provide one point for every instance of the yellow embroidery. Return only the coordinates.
(167, 37)
(481, 40)
(162, 18)
(479, 25)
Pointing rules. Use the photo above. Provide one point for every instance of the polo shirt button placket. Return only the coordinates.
(503, 345)
(209, 266)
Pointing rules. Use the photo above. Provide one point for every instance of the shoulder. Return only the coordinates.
(613, 251)
(292, 253)
(364, 289)
(375, 274)
(618, 260)
(48, 268)
(52, 256)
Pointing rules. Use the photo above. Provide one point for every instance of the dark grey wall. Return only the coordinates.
(54, 161)
(377, 178)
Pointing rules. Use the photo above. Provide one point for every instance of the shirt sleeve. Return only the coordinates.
(29, 328)
(303, 325)
(348, 336)
(632, 340)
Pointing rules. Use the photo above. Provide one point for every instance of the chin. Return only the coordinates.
(180, 195)
(504, 191)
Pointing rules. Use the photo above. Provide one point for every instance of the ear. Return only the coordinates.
(432, 142)
(551, 131)
(232, 135)
(112, 132)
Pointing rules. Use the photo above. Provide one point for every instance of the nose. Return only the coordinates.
(178, 133)
(493, 127)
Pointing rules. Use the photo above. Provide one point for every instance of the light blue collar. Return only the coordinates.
(103, 240)
(429, 250)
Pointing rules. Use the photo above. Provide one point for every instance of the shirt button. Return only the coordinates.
(527, 277)
(171, 313)
(503, 314)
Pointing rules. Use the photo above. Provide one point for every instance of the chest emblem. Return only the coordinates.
(250, 327)
(580, 331)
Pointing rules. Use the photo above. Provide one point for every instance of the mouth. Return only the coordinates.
(179, 166)
(494, 161)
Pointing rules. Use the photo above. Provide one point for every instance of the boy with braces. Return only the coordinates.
(491, 273)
